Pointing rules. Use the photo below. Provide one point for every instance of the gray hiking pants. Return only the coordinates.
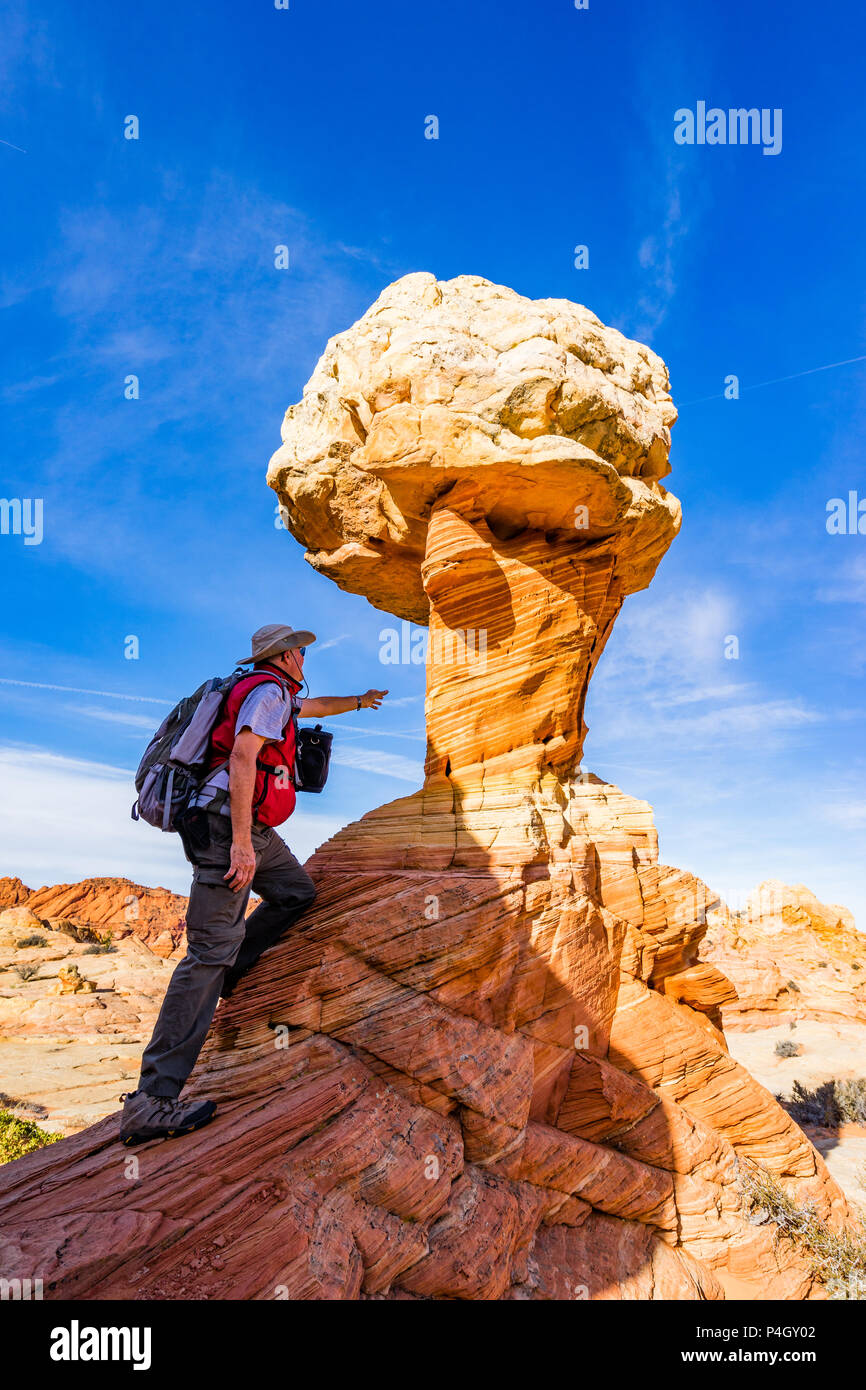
(220, 944)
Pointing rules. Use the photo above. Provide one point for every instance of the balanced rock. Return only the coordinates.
(487, 1064)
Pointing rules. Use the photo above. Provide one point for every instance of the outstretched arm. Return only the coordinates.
(324, 706)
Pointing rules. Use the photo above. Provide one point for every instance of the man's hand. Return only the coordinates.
(372, 699)
(242, 867)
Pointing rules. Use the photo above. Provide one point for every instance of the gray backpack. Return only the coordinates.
(174, 761)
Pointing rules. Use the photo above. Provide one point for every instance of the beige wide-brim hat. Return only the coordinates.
(274, 638)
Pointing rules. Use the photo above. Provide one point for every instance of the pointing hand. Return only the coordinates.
(373, 699)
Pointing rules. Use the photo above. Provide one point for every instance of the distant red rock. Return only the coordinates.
(155, 915)
(789, 957)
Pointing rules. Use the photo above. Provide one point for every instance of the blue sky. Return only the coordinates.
(305, 127)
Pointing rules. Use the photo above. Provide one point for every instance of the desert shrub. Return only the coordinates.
(836, 1258)
(20, 1137)
(785, 1048)
(851, 1097)
(103, 950)
(830, 1104)
(33, 940)
(793, 986)
(28, 971)
(818, 1107)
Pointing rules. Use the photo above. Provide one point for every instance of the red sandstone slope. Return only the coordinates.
(486, 1064)
(156, 916)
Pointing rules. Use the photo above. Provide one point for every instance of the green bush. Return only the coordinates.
(33, 940)
(785, 1048)
(20, 1137)
(28, 971)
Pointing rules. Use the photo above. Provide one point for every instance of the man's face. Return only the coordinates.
(293, 663)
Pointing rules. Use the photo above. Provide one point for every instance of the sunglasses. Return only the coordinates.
(302, 650)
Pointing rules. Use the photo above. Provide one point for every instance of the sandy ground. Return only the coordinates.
(64, 1060)
(66, 1084)
(830, 1052)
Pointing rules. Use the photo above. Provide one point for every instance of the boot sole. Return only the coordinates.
(141, 1137)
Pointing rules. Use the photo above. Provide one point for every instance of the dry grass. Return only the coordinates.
(836, 1258)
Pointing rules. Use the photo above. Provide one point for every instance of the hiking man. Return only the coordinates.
(228, 836)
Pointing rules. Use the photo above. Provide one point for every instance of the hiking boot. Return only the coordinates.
(160, 1117)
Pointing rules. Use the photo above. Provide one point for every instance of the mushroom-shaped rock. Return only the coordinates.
(559, 423)
(486, 1063)
(488, 465)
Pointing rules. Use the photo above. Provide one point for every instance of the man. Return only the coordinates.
(228, 837)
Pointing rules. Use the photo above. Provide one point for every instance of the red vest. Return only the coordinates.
(274, 792)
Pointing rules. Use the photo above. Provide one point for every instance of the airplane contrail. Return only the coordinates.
(77, 690)
(810, 371)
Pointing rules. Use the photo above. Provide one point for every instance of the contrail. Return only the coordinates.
(777, 379)
(13, 147)
(76, 690)
(383, 733)
(154, 700)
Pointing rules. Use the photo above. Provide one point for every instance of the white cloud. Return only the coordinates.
(677, 640)
(666, 659)
(378, 761)
(766, 716)
(65, 819)
(114, 716)
(849, 586)
(849, 814)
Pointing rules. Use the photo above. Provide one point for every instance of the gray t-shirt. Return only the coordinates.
(266, 711)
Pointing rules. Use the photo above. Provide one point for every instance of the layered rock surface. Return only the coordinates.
(486, 1064)
(790, 958)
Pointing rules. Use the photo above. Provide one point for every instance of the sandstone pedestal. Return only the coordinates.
(488, 1063)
